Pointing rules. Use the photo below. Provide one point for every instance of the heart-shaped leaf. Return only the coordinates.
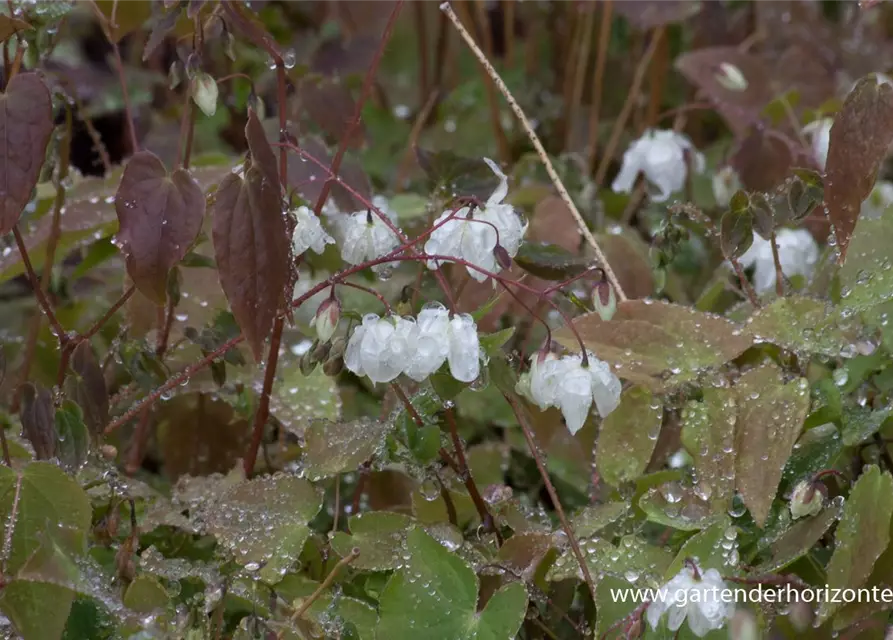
(159, 217)
(26, 122)
(250, 241)
(860, 137)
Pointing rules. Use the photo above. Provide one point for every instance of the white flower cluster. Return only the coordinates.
(797, 253)
(660, 156)
(473, 233)
(566, 384)
(694, 595)
(383, 348)
(309, 233)
(363, 235)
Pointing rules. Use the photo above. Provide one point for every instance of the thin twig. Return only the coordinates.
(553, 495)
(779, 276)
(579, 76)
(346, 560)
(131, 127)
(35, 284)
(541, 152)
(108, 314)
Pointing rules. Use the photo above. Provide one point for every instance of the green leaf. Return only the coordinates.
(263, 522)
(816, 450)
(866, 279)
(860, 423)
(679, 506)
(631, 556)
(590, 520)
(335, 447)
(647, 338)
(770, 417)
(628, 435)
(707, 548)
(708, 432)
(736, 232)
(550, 262)
(799, 539)
(435, 593)
(803, 325)
(457, 175)
(37, 610)
(378, 535)
(146, 594)
(862, 535)
(72, 438)
(298, 400)
(46, 499)
(493, 342)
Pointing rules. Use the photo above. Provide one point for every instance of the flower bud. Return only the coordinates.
(339, 346)
(731, 77)
(743, 626)
(326, 319)
(503, 259)
(320, 351)
(725, 184)
(801, 615)
(204, 91)
(333, 366)
(604, 300)
(307, 364)
(806, 500)
(108, 452)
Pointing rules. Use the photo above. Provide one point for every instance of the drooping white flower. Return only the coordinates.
(725, 183)
(806, 500)
(473, 233)
(309, 233)
(566, 384)
(696, 596)
(797, 253)
(465, 348)
(818, 132)
(880, 199)
(365, 236)
(431, 342)
(380, 347)
(660, 155)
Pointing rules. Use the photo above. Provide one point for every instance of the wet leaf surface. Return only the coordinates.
(263, 522)
(799, 539)
(26, 122)
(804, 325)
(443, 592)
(159, 217)
(862, 535)
(770, 418)
(337, 447)
(86, 386)
(251, 244)
(377, 535)
(627, 436)
(648, 338)
(708, 433)
(860, 137)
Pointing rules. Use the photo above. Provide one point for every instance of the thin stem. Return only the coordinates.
(779, 276)
(6, 459)
(604, 37)
(626, 110)
(540, 150)
(745, 284)
(263, 405)
(336, 509)
(166, 316)
(139, 441)
(108, 314)
(38, 290)
(421, 26)
(553, 495)
(465, 474)
(372, 292)
(411, 410)
(131, 127)
(346, 560)
(365, 92)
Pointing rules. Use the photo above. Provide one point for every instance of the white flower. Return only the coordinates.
(818, 132)
(878, 201)
(465, 348)
(383, 348)
(365, 236)
(438, 338)
(806, 500)
(472, 233)
(309, 233)
(698, 599)
(660, 155)
(797, 253)
(725, 184)
(566, 384)
(380, 347)
(431, 342)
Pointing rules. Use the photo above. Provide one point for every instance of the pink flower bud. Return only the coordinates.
(326, 320)
(604, 300)
(503, 259)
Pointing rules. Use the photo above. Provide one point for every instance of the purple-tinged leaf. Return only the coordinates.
(38, 420)
(26, 122)
(86, 386)
(159, 217)
(860, 137)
